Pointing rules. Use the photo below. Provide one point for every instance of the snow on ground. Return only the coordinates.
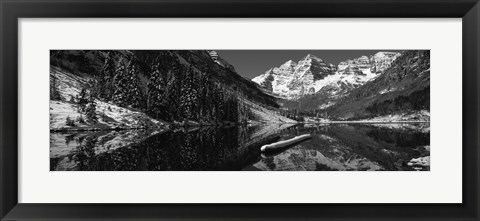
(126, 117)
(324, 106)
(420, 127)
(427, 148)
(418, 121)
(68, 84)
(59, 111)
(265, 115)
(384, 91)
(348, 79)
(421, 161)
(415, 117)
(109, 116)
(316, 120)
(423, 116)
(423, 72)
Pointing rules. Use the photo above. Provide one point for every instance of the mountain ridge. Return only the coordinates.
(309, 75)
(404, 87)
(176, 87)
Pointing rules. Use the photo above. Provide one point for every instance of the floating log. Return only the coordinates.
(285, 143)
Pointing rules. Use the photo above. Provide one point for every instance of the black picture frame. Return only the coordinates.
(12, 10)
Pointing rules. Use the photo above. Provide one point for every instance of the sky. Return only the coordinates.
(251, 63)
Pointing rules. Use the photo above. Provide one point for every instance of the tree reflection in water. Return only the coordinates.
(332, 147)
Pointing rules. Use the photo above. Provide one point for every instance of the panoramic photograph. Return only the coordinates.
(240, 110)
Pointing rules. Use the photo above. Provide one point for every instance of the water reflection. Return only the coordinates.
(332, 147)
(353, 147)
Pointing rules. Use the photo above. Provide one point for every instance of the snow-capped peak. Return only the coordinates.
(292, 79)
(309, 75)
(311, 57)
(383, 54)
(382, 60)
(289, 63)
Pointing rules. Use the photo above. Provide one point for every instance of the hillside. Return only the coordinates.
(402, 88)
(224, 73)
(92, 63)
(109, 115)
(93, 90)
(385, 86)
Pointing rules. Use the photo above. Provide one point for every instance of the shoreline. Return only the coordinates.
(65, 130)
(369, 122)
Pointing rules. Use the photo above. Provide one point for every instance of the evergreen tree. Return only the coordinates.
(105, 82)
(188, 98)
(120, 85)
(172, 95)
(80, 119)
(54, 93)
(134, 94)
(210, 101)
(127, 92)
(156, 97)
(203, 97)
(82, 100)
(218, 104)
(90, 111)
(69, 122)
(93, 90)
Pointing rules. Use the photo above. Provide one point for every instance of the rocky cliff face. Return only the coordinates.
(293, 79)
(376, 63)
(312, 75)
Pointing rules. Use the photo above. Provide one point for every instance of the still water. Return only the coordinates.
(333, 147)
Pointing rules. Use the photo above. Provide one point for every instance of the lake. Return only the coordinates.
(333, 147)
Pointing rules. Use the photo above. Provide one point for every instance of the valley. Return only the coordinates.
(192, 110)
(363, 88)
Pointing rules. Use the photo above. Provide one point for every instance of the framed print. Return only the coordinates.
(239, 110)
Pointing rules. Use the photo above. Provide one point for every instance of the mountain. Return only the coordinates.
(404, 87)
(311, 75)
(293, 79)
(217, 68)
(376, 63)
(137, 89)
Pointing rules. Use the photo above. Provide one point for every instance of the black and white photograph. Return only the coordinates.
(240, 110)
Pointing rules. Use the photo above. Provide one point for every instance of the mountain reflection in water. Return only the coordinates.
(388, 147)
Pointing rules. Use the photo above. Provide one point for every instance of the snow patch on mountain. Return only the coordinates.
(423, 115)
(109, 116)
(265, 115)
(311, 74)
